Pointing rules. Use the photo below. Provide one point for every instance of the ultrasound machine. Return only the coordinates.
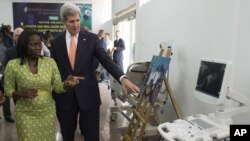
(213, 87)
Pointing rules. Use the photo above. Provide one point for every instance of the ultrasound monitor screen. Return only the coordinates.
(210, 78)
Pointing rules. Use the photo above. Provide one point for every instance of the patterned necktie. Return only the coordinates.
(72, 51)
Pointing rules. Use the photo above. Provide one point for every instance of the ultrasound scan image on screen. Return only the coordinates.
(210, 78)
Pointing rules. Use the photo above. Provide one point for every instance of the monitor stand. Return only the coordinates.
(226, 110)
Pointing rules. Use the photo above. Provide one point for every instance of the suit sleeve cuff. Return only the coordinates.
(123, 76)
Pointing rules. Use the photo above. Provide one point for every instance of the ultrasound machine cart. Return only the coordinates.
(214, 126)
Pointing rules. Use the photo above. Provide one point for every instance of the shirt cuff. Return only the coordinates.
(123, 76)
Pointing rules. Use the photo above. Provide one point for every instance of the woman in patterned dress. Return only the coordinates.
(30, 79)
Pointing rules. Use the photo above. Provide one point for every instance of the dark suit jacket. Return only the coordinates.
(10, 54)
(118, 53)
(87, 91)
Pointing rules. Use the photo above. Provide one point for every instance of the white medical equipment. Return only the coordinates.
(213, 86)
(194, 128)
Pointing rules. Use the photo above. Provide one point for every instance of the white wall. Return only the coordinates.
(200, 28)
(119, 5)
(102, 10)
(242, 65)
(98, 11)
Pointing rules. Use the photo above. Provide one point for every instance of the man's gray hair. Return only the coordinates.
(69, 9)
(18, 29)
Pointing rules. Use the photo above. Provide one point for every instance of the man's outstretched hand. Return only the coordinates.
(128, 86)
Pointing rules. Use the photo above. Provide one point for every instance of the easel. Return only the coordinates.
(144, 110)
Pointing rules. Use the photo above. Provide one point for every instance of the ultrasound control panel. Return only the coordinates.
(194, 128)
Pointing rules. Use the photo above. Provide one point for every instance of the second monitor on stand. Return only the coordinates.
(213, 81)
(213, 86)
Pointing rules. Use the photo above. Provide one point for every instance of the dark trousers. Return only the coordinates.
(119, 63)
(88, 122)
(6, 108)
(6, 104)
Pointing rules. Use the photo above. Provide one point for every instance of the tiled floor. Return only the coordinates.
(109, 130)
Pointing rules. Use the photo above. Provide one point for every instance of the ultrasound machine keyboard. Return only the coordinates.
(192, 128)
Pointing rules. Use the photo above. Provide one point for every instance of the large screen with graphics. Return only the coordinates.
(46, 16)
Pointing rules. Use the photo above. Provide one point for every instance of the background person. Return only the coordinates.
(2, 54)
(10, 54)
(119, 47)
(48, 37)
(6, 103)
(110, 45)
(102, 77)
(7, 35)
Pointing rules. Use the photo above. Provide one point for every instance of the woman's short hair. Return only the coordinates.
(69, 9)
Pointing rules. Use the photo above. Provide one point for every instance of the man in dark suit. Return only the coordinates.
(83, 99)
(11, 52)
(119, 46)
